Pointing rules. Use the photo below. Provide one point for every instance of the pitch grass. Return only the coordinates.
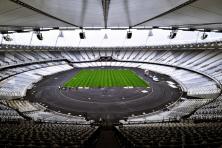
(96, 78)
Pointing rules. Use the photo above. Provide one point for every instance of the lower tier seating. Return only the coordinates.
(176, 111)
(55, 117)
(171, 135)
(9, 114)
(211, 111)
(45, 135)
(9, 110)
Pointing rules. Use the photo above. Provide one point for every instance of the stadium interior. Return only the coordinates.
(110, 73)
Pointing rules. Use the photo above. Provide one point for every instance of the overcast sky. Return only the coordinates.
(115, 38)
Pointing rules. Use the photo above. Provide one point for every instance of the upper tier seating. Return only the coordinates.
(16, 58)
(205, 61)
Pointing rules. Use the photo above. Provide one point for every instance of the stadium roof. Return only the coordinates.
(92, 14)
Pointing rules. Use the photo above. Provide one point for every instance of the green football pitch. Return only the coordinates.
(95, 78)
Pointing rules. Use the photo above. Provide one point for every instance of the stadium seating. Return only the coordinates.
(45, 135)
(194, 84)
(18, 80)
(111, 73)
(16, 86)
(171, 135)
(211, 111)
(21, 105)
(174, 112)
(37, 112)
(9, 114)
(197, 72)
(208, 62)
(55, 117)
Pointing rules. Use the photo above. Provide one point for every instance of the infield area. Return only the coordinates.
(96, 78)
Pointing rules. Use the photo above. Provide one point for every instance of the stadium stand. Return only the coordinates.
(198, 78)
(171, 135)
(174, 47)
(210, 111)
(174, 112)
(17, 80)
(45, 135)
(195, 84)
(17, 85)
(9, 114)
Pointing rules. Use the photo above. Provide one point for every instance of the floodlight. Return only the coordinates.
(173, 34)
(204, 36)
(129, 34)
(7, 38)
(39, 36)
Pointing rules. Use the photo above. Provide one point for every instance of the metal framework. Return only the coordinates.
(188, 15)
(215, 45)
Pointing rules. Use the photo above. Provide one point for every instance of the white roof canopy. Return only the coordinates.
(198, 14)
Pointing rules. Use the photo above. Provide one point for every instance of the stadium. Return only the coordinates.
(110, 73)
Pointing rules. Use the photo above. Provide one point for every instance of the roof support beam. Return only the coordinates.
(167, 12)
(42, 12)
(105, 4)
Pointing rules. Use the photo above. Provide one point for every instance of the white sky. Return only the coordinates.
(95, 38)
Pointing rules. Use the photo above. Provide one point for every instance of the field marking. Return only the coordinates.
(128, 101)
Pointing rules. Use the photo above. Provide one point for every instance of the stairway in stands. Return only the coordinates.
(107, 138)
